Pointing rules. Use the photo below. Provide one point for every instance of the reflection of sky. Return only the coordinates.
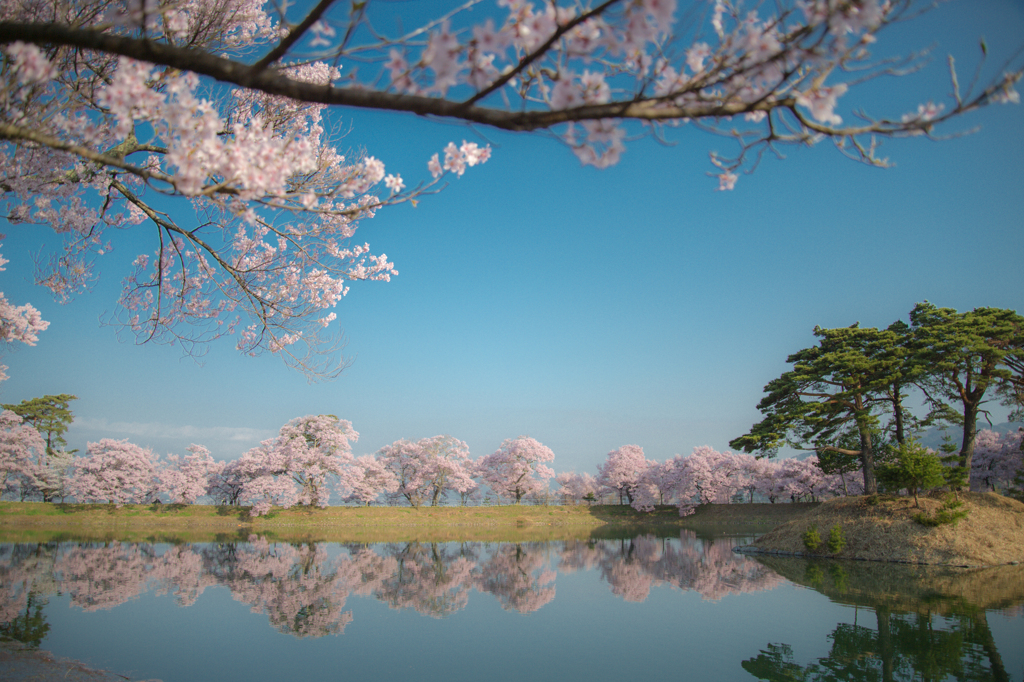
(587, 309)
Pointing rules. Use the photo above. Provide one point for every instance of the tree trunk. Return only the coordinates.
(897, 402)
(970, 433)
(867, 459)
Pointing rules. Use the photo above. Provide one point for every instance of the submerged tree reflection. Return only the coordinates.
(928, 630)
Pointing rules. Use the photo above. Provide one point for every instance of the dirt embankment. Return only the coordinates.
(990, 535)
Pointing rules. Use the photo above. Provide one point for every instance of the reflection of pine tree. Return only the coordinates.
(30, 627)
(775, 665)
(710, 568)
(902, 647)
(983, 647)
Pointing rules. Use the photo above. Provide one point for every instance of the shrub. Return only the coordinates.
(812, 540)
(836, 541)
(915, 468)
(950, 512)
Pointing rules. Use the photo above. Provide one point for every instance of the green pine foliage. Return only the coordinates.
(955, 475)
(812, 540)
(836, 540)
(915, 468)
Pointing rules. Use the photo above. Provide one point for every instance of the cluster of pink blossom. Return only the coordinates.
(705, 476)
(516, 469)
(300, 465)
(18, 323)
(22, 455)
(309, 461)
(188, 479)
(580, 61)
(622, 469)
(426, 471)
(220, 103)
(114, 471)
(576, 488)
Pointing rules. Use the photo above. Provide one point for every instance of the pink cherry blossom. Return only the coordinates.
(515, 470)
(622, 469)
(114, 471)
(22, 455)
(188, 479)
(298, 466)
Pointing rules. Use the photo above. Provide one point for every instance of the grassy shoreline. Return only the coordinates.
(35, 521)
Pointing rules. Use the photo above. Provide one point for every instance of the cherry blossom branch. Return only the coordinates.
(10, 131)
(542, 50)
(294, 35)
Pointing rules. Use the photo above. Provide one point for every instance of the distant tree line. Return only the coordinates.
(845, 399)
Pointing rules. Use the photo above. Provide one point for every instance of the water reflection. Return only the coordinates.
(302, 588)
(918, 623)
(904, 622)
(631, 567)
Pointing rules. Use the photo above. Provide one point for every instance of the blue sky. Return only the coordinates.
(588, 309)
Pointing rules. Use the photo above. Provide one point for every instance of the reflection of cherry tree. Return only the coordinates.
(297, 587)
(579, 555)
(632, 567)
(102, 577)
(364, 571)
(518, 575)
(428, 578)
(303, 591)
(628, 580)
(180, 570)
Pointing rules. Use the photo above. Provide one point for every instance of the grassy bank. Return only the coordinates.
(38, 521)
(884, 528)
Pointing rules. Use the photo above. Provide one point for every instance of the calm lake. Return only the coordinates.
(589, 608)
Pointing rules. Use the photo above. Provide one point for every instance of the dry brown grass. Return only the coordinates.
(992, 534)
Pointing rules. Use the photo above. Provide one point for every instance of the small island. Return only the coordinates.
(988, 532)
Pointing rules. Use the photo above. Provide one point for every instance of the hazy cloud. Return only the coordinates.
(154, 430)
